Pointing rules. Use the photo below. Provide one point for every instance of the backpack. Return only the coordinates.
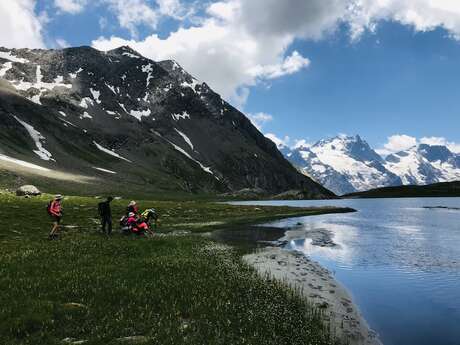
(48, 207)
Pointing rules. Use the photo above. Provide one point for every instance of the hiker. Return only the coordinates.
(149, 215)
(131, 222)
(132, 207)
(141, 227)
(55, 211)
(106, 215)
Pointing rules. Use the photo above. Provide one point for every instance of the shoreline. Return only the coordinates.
(316, 284)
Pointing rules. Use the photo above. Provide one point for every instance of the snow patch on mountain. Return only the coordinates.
(105, 170)
(96, 94)
(181, 150)
(22, 163)
(148, 69)
(6, 67)
(74, 75)
(185, 137)
(111, 88)
(184, 115)
(86, 116)
(12, 58)
(139, 114)
(39, 84)
(37, 138)
(110, 152)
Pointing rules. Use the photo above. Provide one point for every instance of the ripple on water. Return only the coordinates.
(399, 259)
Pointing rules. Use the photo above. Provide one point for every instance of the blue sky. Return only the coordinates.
(301, 69)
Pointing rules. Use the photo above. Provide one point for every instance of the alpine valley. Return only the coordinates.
(347, 164)
(95, 118)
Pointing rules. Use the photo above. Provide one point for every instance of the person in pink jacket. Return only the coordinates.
(55, 211)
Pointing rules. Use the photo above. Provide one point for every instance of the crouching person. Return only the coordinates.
(142, 228)
(150, 216)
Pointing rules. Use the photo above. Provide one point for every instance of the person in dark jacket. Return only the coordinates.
(105, 213)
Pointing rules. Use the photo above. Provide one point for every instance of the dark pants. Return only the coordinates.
(106, 222)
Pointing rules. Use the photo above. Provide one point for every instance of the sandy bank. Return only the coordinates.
(319, 287)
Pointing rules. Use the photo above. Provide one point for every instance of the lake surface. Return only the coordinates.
(399, 260)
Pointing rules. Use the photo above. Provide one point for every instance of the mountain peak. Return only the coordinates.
(119, 117)
(125, 49)
(347, 163)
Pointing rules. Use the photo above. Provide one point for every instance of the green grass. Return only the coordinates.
(168, 289)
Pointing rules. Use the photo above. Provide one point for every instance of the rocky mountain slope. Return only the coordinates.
(347, 164)
(118, 118)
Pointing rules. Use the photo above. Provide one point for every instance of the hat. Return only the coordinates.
(58, 197)
(132, 203)
(131, 214)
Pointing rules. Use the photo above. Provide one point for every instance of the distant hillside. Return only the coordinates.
(444, 189)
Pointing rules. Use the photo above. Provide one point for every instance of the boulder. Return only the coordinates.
(28, 190)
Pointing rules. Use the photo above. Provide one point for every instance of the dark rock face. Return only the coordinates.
(121, 117)
(435, 153)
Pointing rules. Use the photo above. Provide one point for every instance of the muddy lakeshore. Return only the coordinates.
(264, 249)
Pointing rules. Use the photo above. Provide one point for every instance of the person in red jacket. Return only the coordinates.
(55, 211)
(132, 221)
(142, 228)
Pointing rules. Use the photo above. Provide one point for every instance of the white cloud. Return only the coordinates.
(132, 13)
(433, 140)
(62, 43)
(454, 147)
(239, 43)
(173, 8)
(70, 6)
(221, 51)
(19, 26)
(422, 15)
(301, 143)
(290, 65)
(280, 142)
(103, 22)
(260, 119)
(397, 143)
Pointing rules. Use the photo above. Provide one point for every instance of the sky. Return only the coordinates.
(302, 70)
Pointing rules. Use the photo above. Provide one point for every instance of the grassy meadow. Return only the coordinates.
(89, 289)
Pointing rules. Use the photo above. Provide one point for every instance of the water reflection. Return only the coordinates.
(399, 259)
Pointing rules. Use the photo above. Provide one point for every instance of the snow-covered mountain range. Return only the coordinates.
(346, 164)
(117, 118)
